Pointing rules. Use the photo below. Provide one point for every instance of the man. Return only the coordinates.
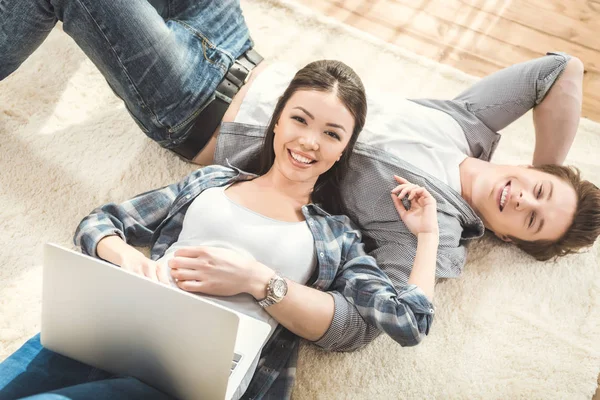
(183, 66)
(445, 145)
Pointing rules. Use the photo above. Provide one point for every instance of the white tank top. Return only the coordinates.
(213, 219)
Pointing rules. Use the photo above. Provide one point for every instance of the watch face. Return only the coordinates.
(279, 288)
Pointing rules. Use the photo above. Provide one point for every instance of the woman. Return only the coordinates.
(209, 233)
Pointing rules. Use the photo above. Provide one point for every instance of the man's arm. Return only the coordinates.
(556, 118)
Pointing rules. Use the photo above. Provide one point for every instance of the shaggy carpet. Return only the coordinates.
(510, 327)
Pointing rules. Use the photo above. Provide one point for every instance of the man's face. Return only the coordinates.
(523, 203)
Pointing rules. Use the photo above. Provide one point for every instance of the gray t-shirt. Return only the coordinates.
(428, 138)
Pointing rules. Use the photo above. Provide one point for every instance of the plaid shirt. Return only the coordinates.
(359, 288)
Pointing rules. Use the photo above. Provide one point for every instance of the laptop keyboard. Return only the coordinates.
(236, 359)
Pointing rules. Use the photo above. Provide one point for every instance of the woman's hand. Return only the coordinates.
(113, 249)
(219, 272)
(422, 215)
(146, 267)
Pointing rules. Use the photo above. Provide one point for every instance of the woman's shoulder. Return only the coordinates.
(212, 172)
(219, 172)
(340, 224)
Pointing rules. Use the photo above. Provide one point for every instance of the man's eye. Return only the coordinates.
(539, 193)
(299, 119)
(531, 220)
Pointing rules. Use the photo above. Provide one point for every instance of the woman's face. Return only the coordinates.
(311, 135)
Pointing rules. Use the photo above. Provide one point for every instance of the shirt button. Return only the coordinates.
(310, 223)
(188, 196)
(322, 254)
(431, 310)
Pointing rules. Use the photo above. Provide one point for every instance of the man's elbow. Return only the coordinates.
(414, 340)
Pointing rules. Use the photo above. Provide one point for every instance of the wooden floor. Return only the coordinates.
(482, 36)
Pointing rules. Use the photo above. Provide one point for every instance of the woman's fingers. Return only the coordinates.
(185, 274)
(416, 191)
(191, 286)
(399, 206)
(162, 274)
(398, 188)
(399, 179)
(149, 271)
(186, 263)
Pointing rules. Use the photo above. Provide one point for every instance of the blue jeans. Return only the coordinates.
(42, 374)
(163, 58)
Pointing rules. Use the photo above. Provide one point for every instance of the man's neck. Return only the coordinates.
(469, 169)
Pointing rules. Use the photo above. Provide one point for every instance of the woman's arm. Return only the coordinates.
(114, 250)
(222, 272)
(134, 221)
(405, 312)
(421, 220)
(305, 311)
(309, 313)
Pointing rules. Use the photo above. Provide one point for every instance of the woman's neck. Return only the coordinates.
(297, 192)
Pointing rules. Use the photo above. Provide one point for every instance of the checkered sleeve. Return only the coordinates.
(366, 302)
(134, 220)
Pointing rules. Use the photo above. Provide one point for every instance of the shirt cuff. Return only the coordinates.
(345, 317)
(89, 240)
(416, 298)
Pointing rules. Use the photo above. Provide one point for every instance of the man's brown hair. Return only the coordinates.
(585, 227)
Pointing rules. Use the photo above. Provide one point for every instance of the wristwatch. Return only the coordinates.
(276, 290)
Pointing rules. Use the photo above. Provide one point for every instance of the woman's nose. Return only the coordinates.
(309, 141)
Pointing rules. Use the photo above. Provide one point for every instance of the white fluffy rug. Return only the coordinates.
(508, 328)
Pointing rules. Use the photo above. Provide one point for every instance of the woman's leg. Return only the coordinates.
(33, 369)
(123, 388)
(42, 374)
(163, 58)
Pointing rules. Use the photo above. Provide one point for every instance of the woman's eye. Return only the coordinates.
(299, 119)
(539, 193)
(333, 135)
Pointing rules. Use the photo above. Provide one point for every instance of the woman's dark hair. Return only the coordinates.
(326, 76)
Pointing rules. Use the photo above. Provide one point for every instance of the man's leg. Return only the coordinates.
(163, 58)
(551, 85)
(33, 369)
(24, 24)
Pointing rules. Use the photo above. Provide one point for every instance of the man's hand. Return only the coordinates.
(422, 215)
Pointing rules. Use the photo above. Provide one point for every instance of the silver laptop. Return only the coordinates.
(109, 318)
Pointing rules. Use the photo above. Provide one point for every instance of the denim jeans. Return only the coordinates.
(163, 58)
(43, 374)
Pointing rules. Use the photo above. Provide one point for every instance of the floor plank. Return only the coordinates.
(482, 36)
